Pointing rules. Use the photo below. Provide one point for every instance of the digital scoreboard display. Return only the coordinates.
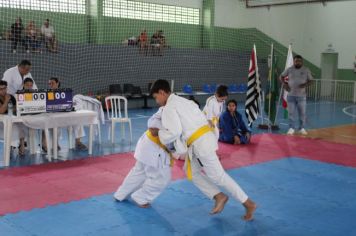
(40, 101)
(59, 100)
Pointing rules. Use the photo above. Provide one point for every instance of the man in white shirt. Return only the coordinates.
(47, 31)
(182, 119)
(299, 77)
(16, 75)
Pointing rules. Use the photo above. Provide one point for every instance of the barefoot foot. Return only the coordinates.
(250, 208)
(147, 205)
(220, 201)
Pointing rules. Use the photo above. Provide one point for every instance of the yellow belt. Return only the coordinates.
(215, 120)
(197, 134)
(156, 140)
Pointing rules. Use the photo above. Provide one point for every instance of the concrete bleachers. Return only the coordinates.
(89, 68)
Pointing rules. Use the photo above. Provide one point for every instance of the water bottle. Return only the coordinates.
(10, 107)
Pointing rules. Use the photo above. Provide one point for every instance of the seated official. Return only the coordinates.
(79, 132)
(28, 84)
(232, 128)
(19, 131)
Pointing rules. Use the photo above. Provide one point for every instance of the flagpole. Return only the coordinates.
(269, 126)
(282, 89)
(263, 100)
(279, 101)
(270, 87)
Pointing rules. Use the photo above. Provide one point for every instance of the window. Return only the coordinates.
(66, 6)
(151, 11)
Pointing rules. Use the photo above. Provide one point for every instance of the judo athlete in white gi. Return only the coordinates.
(214, 107)
(151, 173)
(183, 118)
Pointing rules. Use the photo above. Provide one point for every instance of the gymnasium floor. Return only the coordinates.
(303, 186)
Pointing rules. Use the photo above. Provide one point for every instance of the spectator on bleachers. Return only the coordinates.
(162, 39)
(233, 129)
(49, 36)
(33, 37)
(16, 35)
(132, 41)
(143, 42)
(156, 44)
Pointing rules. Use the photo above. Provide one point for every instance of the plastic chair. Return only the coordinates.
(128, 89)
(188, 89)
(232, 88)
(213, 88)
(206, 88)
(92, 104)
(136, 92)
(118, 114)
(115, 89)
(149, 86)
(242, 88)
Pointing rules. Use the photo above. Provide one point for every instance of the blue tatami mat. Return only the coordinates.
(294, 196)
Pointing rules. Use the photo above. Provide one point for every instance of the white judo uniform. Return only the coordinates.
(182, 118)
(212, 110)
(15, 81)
(151, 173)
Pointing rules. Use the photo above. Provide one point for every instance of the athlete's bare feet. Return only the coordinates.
(220, 201)
(147, 205)
(250, 207)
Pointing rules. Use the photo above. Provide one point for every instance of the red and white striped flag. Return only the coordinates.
(289, 63)
(252, 106)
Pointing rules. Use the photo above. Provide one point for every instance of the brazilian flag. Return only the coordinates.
(271, 98)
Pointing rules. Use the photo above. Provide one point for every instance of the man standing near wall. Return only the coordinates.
(299, 77)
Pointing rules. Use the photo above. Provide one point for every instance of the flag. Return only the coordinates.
(289, 63)
(272, 89)
(254, 89)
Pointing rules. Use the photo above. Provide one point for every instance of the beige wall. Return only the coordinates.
(309, 27)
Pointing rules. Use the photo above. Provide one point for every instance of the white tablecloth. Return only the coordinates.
(59, 119)
(47, 121)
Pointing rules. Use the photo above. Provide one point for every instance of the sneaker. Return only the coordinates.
(303, 132)
(291, 131)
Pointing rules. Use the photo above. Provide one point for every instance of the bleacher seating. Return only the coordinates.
(92, 68)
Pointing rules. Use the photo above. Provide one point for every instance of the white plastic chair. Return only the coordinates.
(87, 103)
(117, 114)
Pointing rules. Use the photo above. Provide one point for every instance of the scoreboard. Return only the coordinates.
(59, 100)
(30, 101)
(40, 101)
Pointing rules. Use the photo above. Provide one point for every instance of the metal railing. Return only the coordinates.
(332, 90)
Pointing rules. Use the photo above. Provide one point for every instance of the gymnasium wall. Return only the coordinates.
(309, 27)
